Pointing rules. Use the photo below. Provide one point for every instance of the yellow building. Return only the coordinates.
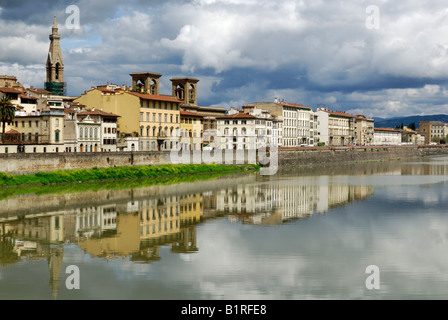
(153, 118)
(38, 132)
(190, 208)
(191, 130)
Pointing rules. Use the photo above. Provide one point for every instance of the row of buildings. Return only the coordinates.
(109, 118)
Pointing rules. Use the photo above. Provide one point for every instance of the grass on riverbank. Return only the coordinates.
(95, 174)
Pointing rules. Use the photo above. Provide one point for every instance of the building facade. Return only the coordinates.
(38, 132)
(387, 137)
(434, 131)
(364, 130)
(335, 128)
(297, 122)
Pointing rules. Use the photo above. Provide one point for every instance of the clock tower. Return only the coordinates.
(55, 65)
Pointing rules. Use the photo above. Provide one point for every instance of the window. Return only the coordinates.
(141, 116)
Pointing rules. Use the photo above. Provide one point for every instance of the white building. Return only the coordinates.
(90, 131)
(335, 128)
(387, 137)
(297, 122)
(247, 131)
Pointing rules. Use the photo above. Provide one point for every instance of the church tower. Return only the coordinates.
(55, 66)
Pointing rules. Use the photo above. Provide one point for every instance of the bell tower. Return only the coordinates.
(185, 89)
(55, 65)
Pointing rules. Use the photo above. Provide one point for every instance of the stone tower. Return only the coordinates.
(185, 89)
(55, 65)
(146, 82)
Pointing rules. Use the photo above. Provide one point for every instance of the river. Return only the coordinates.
(305, 233)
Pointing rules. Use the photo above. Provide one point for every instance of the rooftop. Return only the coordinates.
(387, 129)
(191, 114)
(98, 113)
(9, 90)
(155, 97)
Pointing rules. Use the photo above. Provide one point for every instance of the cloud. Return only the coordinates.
(311, 52)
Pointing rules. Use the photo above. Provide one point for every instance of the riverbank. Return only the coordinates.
(26, 164)
(118, 173)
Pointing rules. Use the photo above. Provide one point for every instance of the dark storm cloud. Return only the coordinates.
(308, 52)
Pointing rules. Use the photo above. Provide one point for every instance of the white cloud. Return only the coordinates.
(324, 44)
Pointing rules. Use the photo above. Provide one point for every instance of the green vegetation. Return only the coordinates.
(71, 188)
(7, 113)
(95, 174)
(321, 144)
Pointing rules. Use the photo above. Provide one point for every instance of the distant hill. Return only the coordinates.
(406, 121)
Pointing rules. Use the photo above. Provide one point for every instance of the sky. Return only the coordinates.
(379, 58)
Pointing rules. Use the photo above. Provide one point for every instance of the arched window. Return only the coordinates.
(81, 131)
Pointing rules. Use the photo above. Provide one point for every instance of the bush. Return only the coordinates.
(96, 174)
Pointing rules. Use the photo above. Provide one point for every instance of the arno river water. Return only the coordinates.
(302, 234)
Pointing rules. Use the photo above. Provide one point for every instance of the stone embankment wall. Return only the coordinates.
(36, 162)
(312, 156)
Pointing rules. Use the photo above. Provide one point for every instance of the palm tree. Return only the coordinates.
(7, 113)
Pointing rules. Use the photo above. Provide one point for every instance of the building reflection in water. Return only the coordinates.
(135, 224)
(274, 204)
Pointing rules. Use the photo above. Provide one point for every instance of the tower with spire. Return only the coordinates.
(55, 65)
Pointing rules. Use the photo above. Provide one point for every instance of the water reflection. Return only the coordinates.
(136, 224)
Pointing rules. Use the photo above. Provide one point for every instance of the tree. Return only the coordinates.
(412, 126)
(7, 113)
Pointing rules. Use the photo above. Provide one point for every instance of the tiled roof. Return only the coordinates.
(98, 113)
(386, 129)
(24, 96)
(155, 97)
(40, 91)
(9, 90)
(340, 113)
(191, 114)
(294, 105)
(238, 116)
(12, 131)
